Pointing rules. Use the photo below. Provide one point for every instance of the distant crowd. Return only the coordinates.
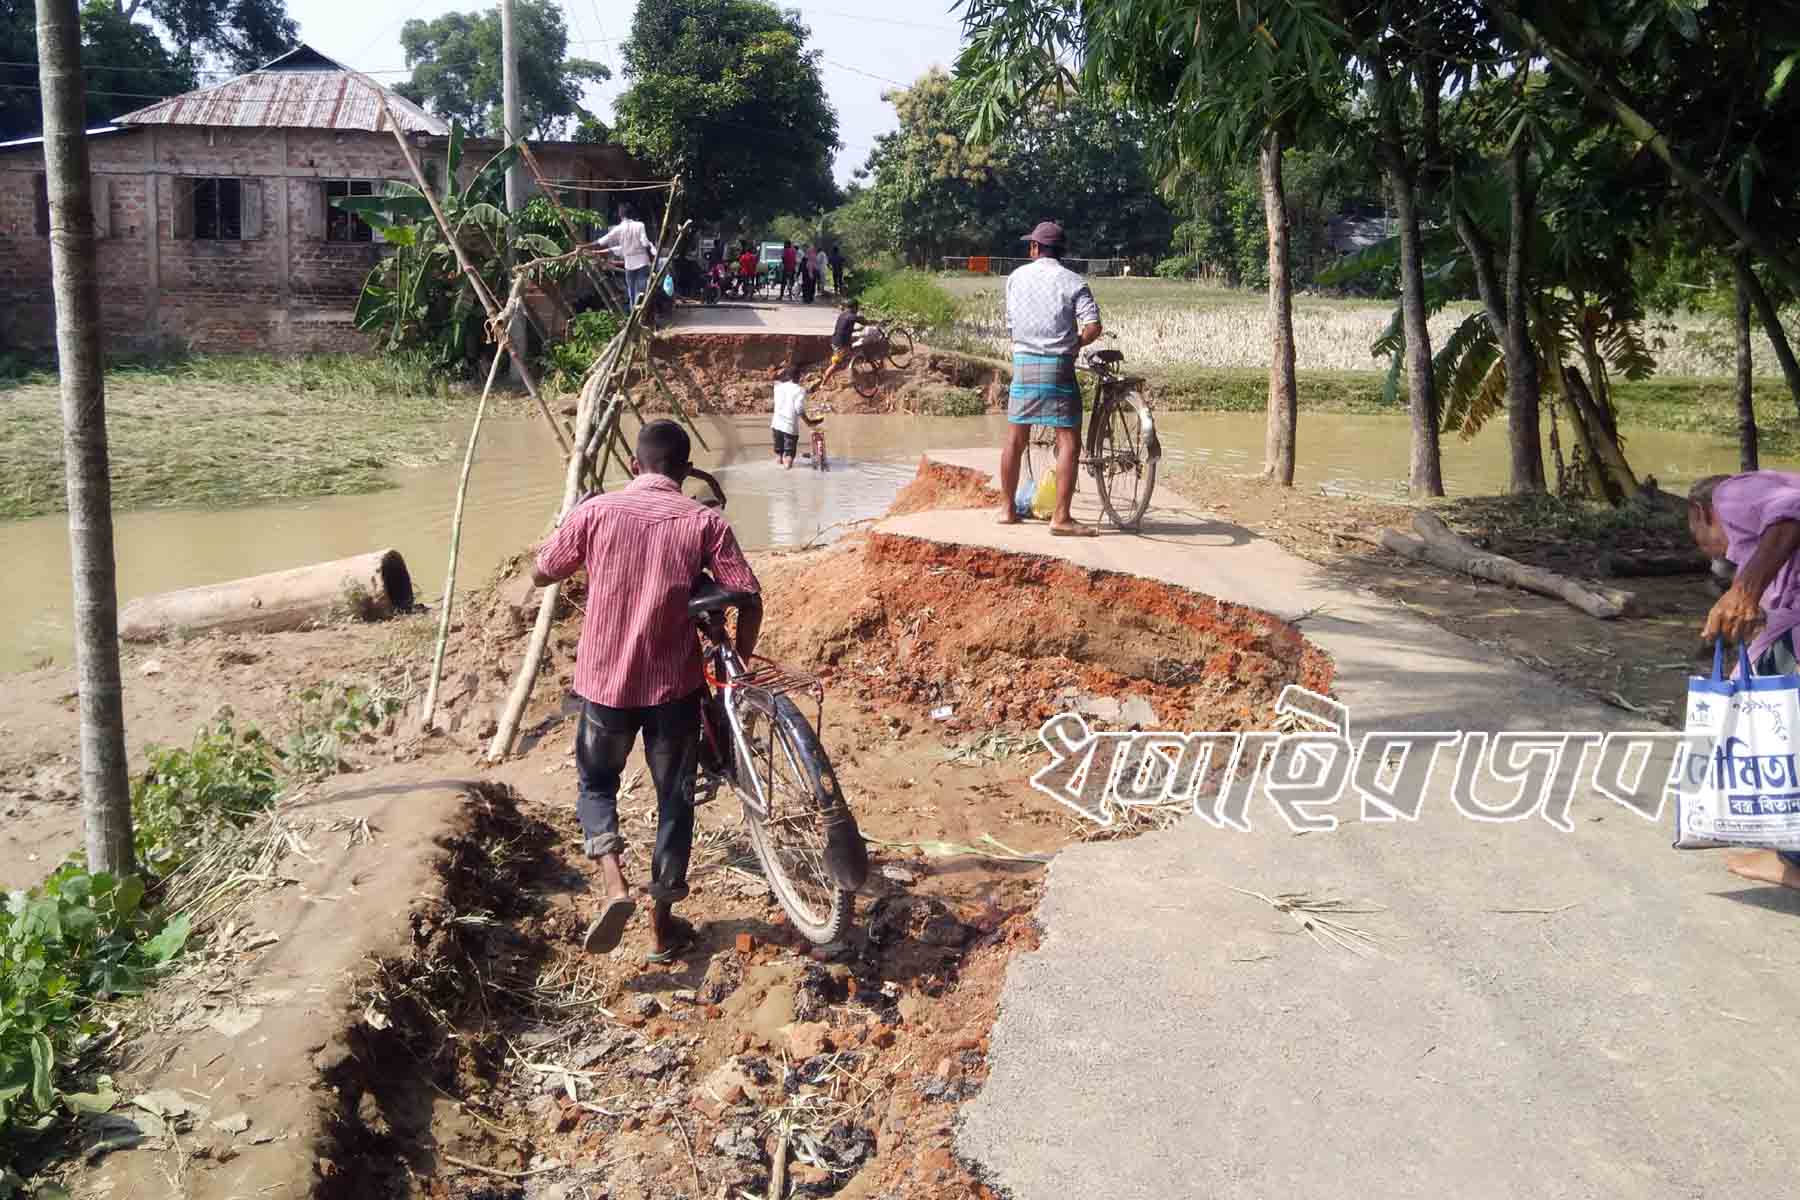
(793, 272)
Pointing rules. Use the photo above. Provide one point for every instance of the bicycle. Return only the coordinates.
(1122, 450)
(879, 340)
(755, 738)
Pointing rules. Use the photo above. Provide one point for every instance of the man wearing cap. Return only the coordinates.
(1051, 314)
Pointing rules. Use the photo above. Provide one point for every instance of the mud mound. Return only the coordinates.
(1008, 639)
(940, 485)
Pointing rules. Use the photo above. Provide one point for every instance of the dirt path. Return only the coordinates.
(456, 1040)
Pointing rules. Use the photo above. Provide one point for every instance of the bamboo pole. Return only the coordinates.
(508, 726)
(462, 492)
(562, 214)
(468, 269)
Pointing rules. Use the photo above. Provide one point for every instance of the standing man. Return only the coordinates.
(1051, 314)
(637, 666)
(747, 266)
(790, 258)
(1754, 520)
(790, 410)
(629, 240)
(837, 269)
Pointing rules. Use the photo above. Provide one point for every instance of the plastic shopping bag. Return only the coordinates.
(1736, 783)
(1023, 493)
(1043, 504)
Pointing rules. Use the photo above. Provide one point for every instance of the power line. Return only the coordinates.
(884, 20)
(859, 71)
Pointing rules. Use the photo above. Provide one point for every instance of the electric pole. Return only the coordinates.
(515, 174)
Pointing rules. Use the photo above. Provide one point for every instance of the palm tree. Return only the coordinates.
(75, 278)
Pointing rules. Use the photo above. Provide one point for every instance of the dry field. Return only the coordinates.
(1166, 323)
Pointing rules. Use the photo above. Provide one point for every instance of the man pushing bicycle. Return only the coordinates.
(638, 668)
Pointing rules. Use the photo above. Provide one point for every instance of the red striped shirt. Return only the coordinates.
(643, 547)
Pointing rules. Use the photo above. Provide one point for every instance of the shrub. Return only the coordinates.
(910, 296)
(587, 335)
(188, 797)
(76, 939)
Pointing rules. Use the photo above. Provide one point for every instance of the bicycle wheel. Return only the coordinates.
(1125, 451)
(900, 348)
(803, 802)
(865, 376)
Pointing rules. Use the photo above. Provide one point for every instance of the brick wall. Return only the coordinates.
(281, 287)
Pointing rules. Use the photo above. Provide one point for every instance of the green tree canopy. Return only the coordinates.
(456, 70)
(127, 62)
(726, 94)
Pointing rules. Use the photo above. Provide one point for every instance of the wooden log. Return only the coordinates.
(1633, 566)
(368, 587)
(1436, 544)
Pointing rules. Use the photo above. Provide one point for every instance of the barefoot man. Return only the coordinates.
(1051, 314)
(1754, 520)
(637, 666)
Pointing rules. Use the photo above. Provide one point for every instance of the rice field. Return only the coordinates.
(1169, 323)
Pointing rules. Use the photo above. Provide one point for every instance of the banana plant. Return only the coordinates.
(416, 297)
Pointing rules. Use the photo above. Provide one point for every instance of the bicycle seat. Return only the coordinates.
(1106, 357)
(709, 597)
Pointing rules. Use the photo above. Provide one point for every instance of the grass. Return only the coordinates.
(221, 431)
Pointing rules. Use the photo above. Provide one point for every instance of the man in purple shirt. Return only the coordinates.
(1754, 521)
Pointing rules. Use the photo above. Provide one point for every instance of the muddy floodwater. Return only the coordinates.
(518, 482)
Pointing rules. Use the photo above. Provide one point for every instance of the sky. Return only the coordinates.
(868, 45)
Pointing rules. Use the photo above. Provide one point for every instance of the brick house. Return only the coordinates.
(213, 216)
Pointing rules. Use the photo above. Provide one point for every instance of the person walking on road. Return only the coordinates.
(809, 275)
(1051, 314)
(637, 666)
(837, 269)
(1753, 520)
(631, 242)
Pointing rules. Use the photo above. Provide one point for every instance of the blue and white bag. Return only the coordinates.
(1736, 783)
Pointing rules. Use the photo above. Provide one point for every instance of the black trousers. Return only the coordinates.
(671, 745)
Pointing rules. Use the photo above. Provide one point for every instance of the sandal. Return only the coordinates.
(603, 934)
(682, 936)
(1074, 531)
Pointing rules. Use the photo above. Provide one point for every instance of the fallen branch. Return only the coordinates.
(955, 850)
(496, 1172)
(1437, 545)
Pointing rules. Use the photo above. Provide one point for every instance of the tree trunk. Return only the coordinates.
(1749, 284)
(1617, 478)
(1278, 446)
(1522, 381)
(75, 280)
(1426, 474)
(1746, 394)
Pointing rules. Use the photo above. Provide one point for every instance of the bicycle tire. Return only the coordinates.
(896, 339)
(865, 376)
(804, 799)
(1123, 446)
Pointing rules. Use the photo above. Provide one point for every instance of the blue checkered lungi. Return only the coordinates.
(1044, 391)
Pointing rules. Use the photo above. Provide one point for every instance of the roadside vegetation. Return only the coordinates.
(212, 431)
(82, 943)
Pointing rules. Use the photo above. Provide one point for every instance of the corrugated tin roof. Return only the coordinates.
(300, 90)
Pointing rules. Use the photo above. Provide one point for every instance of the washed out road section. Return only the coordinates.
(1551, 1014)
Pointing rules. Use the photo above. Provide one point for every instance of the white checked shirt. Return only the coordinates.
(632, 244)
(1046, 306)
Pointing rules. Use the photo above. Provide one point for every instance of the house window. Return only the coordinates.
(218, 207)
(40, 204)
(341, 226)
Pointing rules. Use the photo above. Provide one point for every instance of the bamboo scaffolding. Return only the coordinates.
(479, 285)
(601, 285)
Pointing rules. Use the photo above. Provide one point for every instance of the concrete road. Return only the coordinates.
(757, 316)
(1554, 1015)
